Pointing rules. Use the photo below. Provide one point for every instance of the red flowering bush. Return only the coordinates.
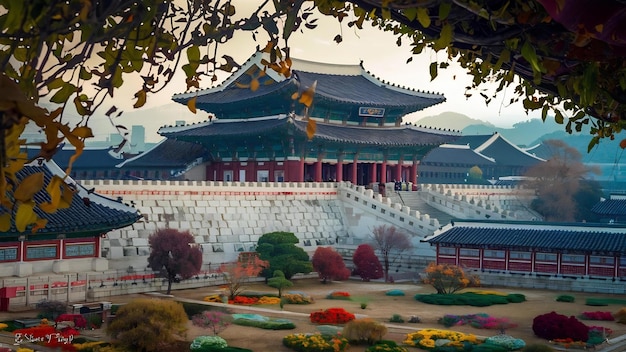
(608, 316)
(78, 320)
(331, 316)
(552, 326)
(243, 300)
(338, 295)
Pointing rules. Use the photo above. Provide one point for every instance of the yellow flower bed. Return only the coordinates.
(426, 338)
(213, 298)
(3, 326)
(268, 300)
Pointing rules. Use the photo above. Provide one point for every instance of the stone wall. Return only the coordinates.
(224, 217)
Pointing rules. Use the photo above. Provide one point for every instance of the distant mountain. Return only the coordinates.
(522, 133)
(451, 120)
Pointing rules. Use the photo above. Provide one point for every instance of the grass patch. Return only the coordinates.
(469, 299)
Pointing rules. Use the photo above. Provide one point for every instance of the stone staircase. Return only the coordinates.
(415, 201)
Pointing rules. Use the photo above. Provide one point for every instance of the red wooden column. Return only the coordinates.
(339, 170)
(414, 174)
(373, 173)
(236, 171)
(294, 170)
(318, 171)
(353, 177)
(383, 172)
(300, 170)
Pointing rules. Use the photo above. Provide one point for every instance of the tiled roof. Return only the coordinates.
(536, 237)
(348, 84)
(611, 207)
(407, 135)
(457, 155)
(91, 158)
(357, 89)
(168, 153)
(498, 148)
(90, 214)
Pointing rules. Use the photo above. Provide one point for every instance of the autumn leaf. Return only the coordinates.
(622, 144)
(25, 215)
(82, 132)
(29, 187)
(311, 127)
(141, 99)
(39, 224)
(54, 190)
(5, 222)
(191, 104)
(307, 96)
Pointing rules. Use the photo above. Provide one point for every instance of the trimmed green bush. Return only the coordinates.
(469, 299)
(268, 324)
(396, 318)
(565, 298)
(395, 292)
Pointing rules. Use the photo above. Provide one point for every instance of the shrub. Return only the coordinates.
(259, 321)
(426, 338)
(396, 318)
(297, 298)
(414, 319)
(508, 342)
(395, 292)
(205, 343)
(620, 316)
(565, 298)
(364, 331)
(386, 346)
(339, 295)
(553, 326)
(315, 343)
(148, 324)
(331, 316)
(470, 299)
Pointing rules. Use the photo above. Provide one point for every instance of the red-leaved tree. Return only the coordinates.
(366, 262)
(237, 274)
(174, 255)
(329, 264)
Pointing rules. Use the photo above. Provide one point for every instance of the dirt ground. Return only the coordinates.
(382, 307)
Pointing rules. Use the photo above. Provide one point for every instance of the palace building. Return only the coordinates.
(353, 131)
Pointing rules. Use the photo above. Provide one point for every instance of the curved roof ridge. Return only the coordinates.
(497, 136)
(139, 156)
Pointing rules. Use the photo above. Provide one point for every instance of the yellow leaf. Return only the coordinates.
(29, 187)
(295, 96)
(254, 84)
(25, 215)
(307, 96)
(311, 127)
(5, 222)
(422, 17)
(67, 193)
(54, 190)
(191, 104)
(39, 224)
(82, 132)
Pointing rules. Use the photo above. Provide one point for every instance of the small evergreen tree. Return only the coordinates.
(280, 250)
(279, 281)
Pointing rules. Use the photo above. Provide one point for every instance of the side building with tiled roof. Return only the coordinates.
(493, 155)
(572, 250)
(352, 131)
(611, 210)
(71, 239)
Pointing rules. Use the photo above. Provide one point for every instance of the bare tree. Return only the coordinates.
(557, 182)
(390, 242)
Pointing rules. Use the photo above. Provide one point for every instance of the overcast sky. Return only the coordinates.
(380, 55)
